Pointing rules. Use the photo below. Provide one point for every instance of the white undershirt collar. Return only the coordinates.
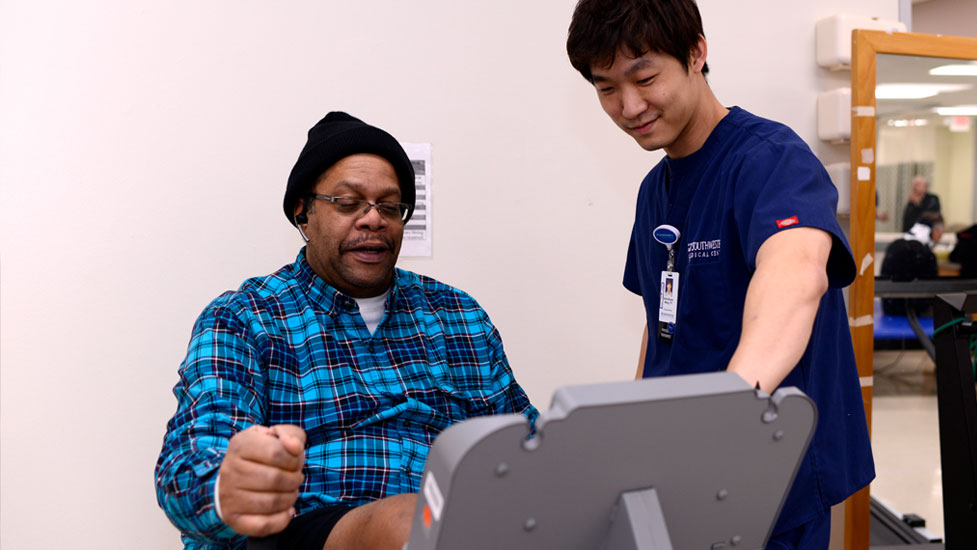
(372, 309)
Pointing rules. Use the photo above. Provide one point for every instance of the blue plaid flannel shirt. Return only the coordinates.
(290, 349)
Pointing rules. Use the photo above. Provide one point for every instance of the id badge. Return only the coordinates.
(668, 305)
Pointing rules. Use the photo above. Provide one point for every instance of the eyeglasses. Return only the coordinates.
(348, 206)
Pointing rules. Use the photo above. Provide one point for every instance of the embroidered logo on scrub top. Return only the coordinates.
(705, 249)
(787, 222)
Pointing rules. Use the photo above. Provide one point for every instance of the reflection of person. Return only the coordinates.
(340, 354)
(927, 230)
(766, 302)
(920, 200)
(911, 258)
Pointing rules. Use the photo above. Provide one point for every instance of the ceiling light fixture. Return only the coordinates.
(962, 69)
(915, 91)
(958, 110)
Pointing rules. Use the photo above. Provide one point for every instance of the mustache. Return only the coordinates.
(351, 244)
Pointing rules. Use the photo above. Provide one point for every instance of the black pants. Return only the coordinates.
(310, 530)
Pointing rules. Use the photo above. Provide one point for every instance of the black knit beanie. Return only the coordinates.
(335, 137)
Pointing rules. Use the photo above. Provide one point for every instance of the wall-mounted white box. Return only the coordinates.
(833, 37)
(834, 115)
(840, 173)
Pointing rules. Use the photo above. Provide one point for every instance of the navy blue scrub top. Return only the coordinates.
(752, 178)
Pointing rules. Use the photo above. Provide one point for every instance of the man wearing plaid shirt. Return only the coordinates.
(309, 398)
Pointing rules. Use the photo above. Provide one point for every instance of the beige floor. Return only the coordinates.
(905, 436)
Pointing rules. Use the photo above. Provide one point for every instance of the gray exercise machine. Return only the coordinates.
(688, 462)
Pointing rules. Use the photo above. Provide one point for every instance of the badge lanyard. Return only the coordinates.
(669, 235)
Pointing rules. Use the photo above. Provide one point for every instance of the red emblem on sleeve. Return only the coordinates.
(787, 222)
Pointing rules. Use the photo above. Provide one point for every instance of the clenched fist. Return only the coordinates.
(260, 478)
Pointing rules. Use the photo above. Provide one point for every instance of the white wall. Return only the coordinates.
(954, 178)
(144, 148)
(950, 17)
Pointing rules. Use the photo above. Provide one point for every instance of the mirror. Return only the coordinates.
(919, 138)
(893, 139)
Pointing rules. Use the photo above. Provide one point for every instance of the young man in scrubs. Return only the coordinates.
(738, 223)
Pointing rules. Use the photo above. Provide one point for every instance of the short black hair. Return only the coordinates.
(600, 28)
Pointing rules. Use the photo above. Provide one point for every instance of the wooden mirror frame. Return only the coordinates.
(865, 45)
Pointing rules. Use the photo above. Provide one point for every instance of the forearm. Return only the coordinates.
(781, 305)
(216, 398)
(193, 449)
(185, 492)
